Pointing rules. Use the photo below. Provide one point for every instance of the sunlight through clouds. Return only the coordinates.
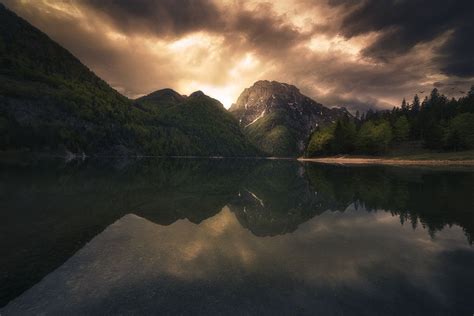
(334, 51)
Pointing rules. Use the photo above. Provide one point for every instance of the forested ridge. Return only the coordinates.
(436, 123)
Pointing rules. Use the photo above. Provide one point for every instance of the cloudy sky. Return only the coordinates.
(358, 54)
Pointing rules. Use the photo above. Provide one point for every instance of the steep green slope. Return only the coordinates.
(276, 134)
(50, 101)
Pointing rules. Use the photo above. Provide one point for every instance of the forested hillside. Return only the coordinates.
(437, 123)
(51, 102)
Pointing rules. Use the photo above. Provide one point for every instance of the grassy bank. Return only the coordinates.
(462, 158)
(452, 156)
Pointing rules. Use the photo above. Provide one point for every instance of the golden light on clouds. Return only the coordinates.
(336, 44)
(335, 52)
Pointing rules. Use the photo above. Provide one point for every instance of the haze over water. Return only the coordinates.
(201, 236)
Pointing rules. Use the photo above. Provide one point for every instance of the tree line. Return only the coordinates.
(436, 123)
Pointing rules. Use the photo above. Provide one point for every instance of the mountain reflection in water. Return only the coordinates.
(235, 236)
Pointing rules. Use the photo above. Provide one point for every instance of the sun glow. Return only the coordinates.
(225, 94)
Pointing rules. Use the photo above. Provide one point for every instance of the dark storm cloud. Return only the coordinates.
(265, 32)
(358, 54)
(164, 17)
(457, 54)
(358, 86)
(175, 18)
(402, 24)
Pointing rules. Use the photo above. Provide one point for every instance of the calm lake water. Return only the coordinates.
(191, 236)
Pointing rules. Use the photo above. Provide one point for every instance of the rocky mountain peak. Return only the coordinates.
(275, 86)
(271, 93)
(273, 109)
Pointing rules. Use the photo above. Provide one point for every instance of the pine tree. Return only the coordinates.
(415, 106)
(405, 107)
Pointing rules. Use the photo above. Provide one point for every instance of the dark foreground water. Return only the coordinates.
(183, 236)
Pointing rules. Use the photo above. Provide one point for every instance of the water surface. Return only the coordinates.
(197, 236)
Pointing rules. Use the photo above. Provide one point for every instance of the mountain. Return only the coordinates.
(278, 119)
(163, 96)
(205, 127)
(275, 198)
(51, 102)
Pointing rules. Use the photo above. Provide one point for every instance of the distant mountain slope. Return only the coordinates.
(278, 119)
(162, 97)
(50, 101)
(202, 122)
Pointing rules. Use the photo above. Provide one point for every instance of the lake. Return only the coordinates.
(234, 236)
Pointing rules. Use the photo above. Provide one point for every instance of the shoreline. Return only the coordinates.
(465, 159)
(388, 161)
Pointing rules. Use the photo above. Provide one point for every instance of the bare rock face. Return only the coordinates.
(278, 118)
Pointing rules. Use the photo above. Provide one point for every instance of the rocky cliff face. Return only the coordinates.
(278, 118)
